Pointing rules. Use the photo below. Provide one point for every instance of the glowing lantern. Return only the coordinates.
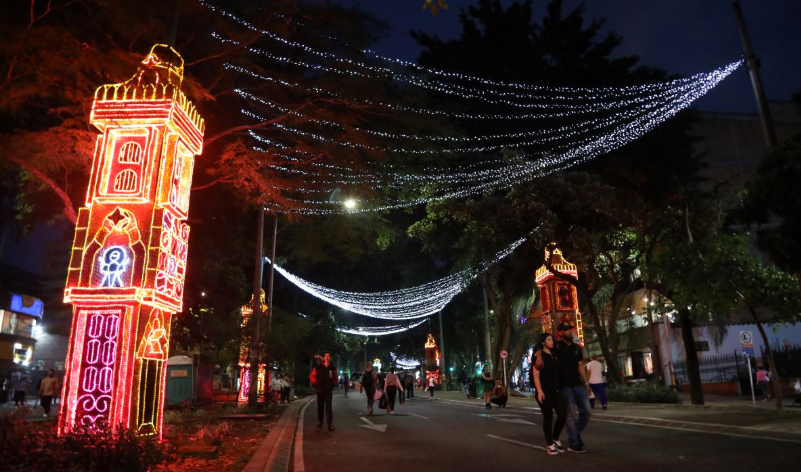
(128, 262)
(558, 296)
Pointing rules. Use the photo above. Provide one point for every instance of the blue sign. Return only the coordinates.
(748, 351)
(26, 305)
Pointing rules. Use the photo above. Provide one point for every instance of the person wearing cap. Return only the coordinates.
(575, 386)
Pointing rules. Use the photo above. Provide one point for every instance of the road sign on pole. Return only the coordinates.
(504, 354)
(746, 339)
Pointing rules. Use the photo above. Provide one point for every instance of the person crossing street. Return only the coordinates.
(323, 378)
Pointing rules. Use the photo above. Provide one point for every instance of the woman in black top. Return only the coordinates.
(546, 381)
(487, 381)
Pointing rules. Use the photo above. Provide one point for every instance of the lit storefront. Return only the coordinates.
(18, 329)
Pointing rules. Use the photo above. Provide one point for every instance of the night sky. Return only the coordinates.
(681, 36)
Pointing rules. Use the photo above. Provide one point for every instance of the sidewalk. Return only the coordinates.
(35, 414)
(726, 415)
(274, 454)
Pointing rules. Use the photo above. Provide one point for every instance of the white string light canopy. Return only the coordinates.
(380, 330)
(551, 128)
(404, 304)
(404, 362)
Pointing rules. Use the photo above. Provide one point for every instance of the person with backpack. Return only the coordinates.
(410, 380)
(323, 378)
(369, 383)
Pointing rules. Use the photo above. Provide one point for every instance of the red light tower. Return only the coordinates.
(244, 365)
(126, 273)
(558, 296)
(432, 360)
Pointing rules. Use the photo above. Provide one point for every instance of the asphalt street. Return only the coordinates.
(460, 436)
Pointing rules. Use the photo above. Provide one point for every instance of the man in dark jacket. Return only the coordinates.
(323, 379)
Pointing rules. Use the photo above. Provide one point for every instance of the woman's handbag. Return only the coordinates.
(383, 403)
(378, 394)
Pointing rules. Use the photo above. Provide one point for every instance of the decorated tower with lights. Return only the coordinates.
(244, 365)
(432, 359)
(558, 296)
(128, 262)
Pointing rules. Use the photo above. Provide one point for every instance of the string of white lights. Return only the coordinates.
(379, 330)
(404, 304)
(404, 362)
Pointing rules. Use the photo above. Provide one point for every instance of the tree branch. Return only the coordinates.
(69, 209)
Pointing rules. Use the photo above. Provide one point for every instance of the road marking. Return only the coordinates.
(519, 443)
(419, 416)
(749, 436)
(371, 425)
(299, 465)
(505, 418)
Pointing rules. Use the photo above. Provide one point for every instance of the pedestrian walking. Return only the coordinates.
(392, 386)
(575, 387)
(499, 395)
(47, 390)
(368, 385)
(763, 380)
(20, 391)
(431, 384)
(287, 387)
(595, 372)
(276, 386)
(546, 383)
(487, 382)
(346, 382)
(410, 386)
(323, 378)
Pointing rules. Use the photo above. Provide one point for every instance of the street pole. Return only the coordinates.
(253, 393)
(366, 338)
(751, 379)
(443, 365)
(487, 340)
(752, 63)
(272, 276)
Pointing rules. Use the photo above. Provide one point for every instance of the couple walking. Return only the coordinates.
(562, 387)
(390, 387)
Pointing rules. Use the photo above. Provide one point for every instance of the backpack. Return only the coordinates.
(367, 380)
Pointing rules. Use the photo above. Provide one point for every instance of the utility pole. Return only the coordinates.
(752, 63)
(253, 393)
(443, 364)
(272, 275)
(487, 340)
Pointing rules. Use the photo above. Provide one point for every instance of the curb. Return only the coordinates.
(275, 451)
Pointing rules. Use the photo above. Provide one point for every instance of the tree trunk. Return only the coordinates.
(613, 372)
(693, 367)
(774, 374)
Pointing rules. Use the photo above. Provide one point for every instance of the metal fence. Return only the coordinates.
(721, 368)
(787, 358)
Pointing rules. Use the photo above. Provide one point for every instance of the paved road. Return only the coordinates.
(462, 436)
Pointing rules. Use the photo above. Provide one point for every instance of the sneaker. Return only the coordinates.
(319, 426)
(577, 449)
(559, 447)
(369, 410)
(604, 407)
(551, 450)
(45, 415)
(331, 427)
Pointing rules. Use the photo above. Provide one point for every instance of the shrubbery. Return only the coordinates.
(33, 447)
(641, 392)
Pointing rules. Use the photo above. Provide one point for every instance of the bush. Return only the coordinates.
(213, 434)
(641, 392)
(32, 447)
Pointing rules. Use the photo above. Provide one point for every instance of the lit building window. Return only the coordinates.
(125, 181)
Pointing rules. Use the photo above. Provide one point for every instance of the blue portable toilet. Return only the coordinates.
(180, 380)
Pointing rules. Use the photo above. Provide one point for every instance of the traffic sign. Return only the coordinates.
(748, 351)
(746, 337)
(504, 354)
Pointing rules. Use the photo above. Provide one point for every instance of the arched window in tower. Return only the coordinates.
(130, 153)
(125, 181)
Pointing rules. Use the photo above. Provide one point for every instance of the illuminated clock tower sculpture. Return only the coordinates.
(558, 296)
(432, 360)
(244, 365)
(128, 262)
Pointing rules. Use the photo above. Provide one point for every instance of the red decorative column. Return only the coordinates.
(126, 273)
(558, 296)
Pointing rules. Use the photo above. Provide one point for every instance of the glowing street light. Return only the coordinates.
(350, 204)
